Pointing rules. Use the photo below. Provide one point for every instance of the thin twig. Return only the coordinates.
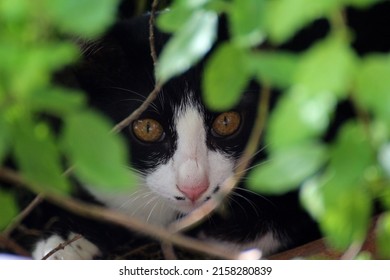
(152, 20)
(104, 214)
(353, 251)
(62, 246)
(134, 115)
(168, 251)
(20, 217)
(11, 245)
(157, 88)
(208, 207)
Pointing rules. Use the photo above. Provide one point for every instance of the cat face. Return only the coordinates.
(181, 150)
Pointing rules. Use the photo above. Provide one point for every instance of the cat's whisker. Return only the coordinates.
(257, 194)
(252, 157)
(152, 210)
(234, 200)
(251, 203)
(264, 162)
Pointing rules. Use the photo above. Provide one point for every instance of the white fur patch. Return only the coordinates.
(81, 249)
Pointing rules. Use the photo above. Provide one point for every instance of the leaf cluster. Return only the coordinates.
(339, 181)
(32, 48)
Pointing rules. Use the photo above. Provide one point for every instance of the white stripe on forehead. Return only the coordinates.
(190, 129)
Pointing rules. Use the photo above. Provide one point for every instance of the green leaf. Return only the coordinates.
(294, 163)
(188, 45)
(383, 235)
(360, 3)
(87, 18)
(14, 10)
(275, 68)
(247, 22)
(327, 67)
(222, 83)
(286, 17)
(37, 156)
(373, 85)
(30, 68)
(4, 137)
(299, 117)
(347, 215)
(99, 157)
(311, 197)
(57, 101)
(347, 202)
(9, 208)
(174, 18)
(352, 153)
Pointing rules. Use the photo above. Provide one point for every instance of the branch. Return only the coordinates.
(11, 245)
(133, 116)
(92, 211)
(152, 20)
(20, 217)
(157, 88)
(62, 246)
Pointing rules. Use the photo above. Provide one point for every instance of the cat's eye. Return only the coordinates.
(148, 130)
(226, 123)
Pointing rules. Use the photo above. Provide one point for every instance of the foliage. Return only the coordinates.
(32, 48)
(341, 179)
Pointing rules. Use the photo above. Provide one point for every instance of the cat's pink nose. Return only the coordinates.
(193, 192)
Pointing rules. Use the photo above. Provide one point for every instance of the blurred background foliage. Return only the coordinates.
(318, 55)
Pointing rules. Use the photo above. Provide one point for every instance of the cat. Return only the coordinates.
(181, 151)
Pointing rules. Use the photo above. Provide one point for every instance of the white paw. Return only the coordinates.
(80, 249)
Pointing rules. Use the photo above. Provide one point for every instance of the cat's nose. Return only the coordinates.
(193, 193)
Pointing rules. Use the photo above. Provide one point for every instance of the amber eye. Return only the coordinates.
(148, 130)
(226, 123)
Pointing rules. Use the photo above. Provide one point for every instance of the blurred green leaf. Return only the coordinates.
(9, 208)
(247, 22)
(327, 67)
(276, 68)
(352, 153)
(27, 68)
(373, 85)
(285, 17)
(4, 137)
(188, 45)
(87, 18)
(311, 197)
(37, 156)
(383, 235)
(360, 3)
(298, 117)
(99, 157)
(173, 19)
(347, 202)
(57, 101)
(287, 168)
(347, 215)
(14, 11)
(222, 83)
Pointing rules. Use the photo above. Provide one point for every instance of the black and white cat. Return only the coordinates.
(181, 150)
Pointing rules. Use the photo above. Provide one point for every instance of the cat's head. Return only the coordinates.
(181, 150)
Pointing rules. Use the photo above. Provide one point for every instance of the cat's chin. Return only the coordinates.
(187, 207)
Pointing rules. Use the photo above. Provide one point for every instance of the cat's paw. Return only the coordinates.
(80, 249)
